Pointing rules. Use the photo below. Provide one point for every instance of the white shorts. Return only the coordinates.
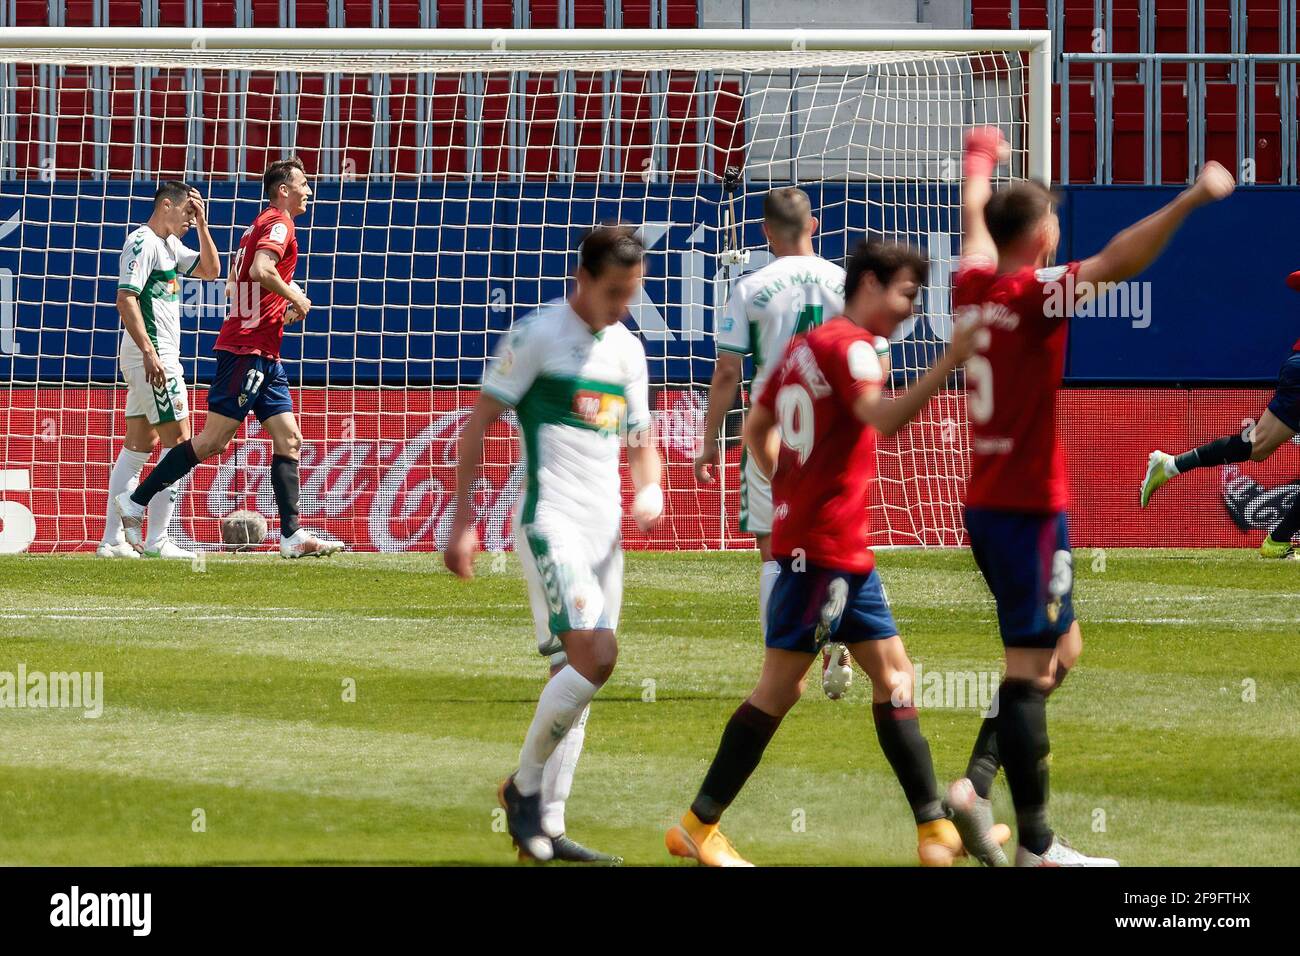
(166, 404)
(755, 499)
(575, 579)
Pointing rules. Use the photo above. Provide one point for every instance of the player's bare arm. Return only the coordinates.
(1136, 247)
(209, 267)
(722, 394)
(762, 439)
(263, 271)
(128, 307)
(463, 540)
(984, 149)
(646, 469)
(887, 415)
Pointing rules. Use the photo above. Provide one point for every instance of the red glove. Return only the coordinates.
(1293, 280)
(983, 145)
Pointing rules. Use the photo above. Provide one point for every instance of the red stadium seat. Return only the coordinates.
(589, 122)
(171, 13)
(1083, 132)
(451, 14)
(1268, 134)
(168, 124)
(544, 14)
(124, 13)
(312, 13)
(219, 13)
(682, 15)
(404, 14)
(266, 13)
(588, 14)
(991, 14)
(1221, 124)
(31, 13)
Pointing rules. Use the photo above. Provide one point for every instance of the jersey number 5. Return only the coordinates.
(794, 416)
(979, 389)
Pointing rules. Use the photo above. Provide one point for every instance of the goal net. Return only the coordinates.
(453, 173)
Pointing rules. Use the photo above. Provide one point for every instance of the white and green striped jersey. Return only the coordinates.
(768, 307)
(575, 393)
(151, 268)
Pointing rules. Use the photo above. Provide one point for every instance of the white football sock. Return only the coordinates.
(124, 477)
(557, 776)
(161, 507)
(767, 576)
(563, 699)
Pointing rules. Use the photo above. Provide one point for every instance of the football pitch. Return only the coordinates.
(363, 709)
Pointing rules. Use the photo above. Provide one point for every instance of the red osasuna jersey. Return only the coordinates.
(255, 320)
(828, 457)
(1017, 461)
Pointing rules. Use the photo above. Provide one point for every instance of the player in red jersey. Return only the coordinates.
(263, 299)
(816, 421)
(1018, 493)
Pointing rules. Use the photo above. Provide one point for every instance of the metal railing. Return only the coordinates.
(1151, 66)
(1243, 78)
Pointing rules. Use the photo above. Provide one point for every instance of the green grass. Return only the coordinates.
(224, 692)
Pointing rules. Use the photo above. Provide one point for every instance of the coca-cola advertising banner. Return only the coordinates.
(378, 471)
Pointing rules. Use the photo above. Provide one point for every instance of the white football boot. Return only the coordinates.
(837, 670)
(119, 550)
(132, 516)
(973, 817)
(168, 550)
(305, 545)
(1060, 853)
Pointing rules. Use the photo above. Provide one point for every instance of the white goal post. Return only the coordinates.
(453, 172)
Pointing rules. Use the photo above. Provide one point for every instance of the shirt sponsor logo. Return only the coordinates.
(599, 409)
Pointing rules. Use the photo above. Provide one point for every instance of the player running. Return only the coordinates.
(148, 299)
(576, 378)
(1278, 425)
(816, 420)
(791, 295)
(1017, 496)
(263, 299)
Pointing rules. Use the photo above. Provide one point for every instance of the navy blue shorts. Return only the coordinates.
(249, 383)
(1026, 560)
(854, 607)
(1285, 403)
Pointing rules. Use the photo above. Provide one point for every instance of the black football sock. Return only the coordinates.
(743, 741)
(284, 479)
(1289, 525)
(984, 762)
(1024, 747)
(899, 731)
(171, 468)
(1221, 451)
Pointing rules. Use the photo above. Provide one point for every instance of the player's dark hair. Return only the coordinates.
(884, 260)
(280, 172)
(1016, 209)
(177, 192)
(787, 211)
(607, 246)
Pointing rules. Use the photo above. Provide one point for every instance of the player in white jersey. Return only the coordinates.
(792, 294)
(576, 378)
(154, 260)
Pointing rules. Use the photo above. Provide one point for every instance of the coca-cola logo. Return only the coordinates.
(1250, 505)
(406, 488)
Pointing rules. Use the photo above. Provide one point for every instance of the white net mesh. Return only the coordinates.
(450, 191)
